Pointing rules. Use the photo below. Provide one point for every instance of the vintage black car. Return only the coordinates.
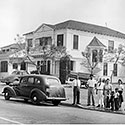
(36, 88)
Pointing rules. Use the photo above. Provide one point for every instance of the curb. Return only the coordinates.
(94, 109)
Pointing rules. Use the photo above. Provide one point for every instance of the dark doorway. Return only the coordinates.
(64, 68)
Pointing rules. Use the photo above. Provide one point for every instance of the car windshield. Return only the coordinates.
(14, 72)
(53, 82)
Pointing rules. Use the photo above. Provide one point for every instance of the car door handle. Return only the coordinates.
(25, 85)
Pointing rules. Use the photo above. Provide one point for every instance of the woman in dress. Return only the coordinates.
(107, 91)
(120, 90)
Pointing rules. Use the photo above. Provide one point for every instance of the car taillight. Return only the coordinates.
(47, 91)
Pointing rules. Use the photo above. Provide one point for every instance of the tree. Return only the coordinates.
(91, 64)
(117, 56)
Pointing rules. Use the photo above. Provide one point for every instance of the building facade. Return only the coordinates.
(77, 37)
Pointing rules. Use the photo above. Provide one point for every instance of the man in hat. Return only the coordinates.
(76, 90)
(91, 86)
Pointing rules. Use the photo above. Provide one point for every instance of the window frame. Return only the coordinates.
(4, 66)
(115, 69)
(60, 40)
(75, 42)
(105, 70)
(110, 46)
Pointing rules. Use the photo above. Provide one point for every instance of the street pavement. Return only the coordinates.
(83, 100)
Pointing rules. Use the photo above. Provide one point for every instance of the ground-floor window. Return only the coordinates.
(23, 66)
(115, 69)
(4, 66)
(105, 69)
(15, 66)
(72, 66)
(44, 66)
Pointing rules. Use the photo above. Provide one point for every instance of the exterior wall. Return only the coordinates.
(84, 39)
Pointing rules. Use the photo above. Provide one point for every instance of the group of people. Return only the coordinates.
(107, 97)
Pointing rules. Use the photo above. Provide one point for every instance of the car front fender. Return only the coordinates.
(10, 89)
(42, 95)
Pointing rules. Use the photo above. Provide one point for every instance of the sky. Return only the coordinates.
(23, 16)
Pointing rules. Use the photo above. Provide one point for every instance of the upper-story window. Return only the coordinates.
(45, 41)
(29, 42)
(75, 41)
(110, 46)
(94, 55)
(60, 39)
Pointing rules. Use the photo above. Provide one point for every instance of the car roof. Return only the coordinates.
(40, 76)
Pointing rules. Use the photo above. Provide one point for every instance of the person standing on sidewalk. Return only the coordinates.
(120, 90)
(107, 92)
(76, 90)
(91, 86)
(99, 92)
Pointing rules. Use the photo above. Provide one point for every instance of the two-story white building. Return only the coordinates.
(76, 37)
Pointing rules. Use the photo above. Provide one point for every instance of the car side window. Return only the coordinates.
(23, 80)
(18, 73)
(37, 81)
(31, 80)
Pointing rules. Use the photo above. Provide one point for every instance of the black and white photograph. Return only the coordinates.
(62, 62)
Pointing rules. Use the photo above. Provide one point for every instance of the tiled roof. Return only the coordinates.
(75, 25)
(95, 42)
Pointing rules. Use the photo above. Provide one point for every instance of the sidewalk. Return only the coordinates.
(83, 101)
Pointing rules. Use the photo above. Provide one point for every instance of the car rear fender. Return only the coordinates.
(42, 95)
(11, 90)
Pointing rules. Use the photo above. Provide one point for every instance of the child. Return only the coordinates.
(116, 99)
(112, 100)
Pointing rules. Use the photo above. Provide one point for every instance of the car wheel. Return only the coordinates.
(35, 99)
(7, 94)
(7, 83)
(55, 102)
